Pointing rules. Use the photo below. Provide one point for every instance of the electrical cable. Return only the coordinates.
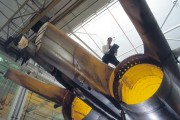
(169, 13)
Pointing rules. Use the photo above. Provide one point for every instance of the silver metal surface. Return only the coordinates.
(159, 107)
(59, 50)
(30, 50)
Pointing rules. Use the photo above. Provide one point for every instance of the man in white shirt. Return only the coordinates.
(107, 47)
(109, 57)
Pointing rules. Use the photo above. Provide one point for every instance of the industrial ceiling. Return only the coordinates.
(19, 16)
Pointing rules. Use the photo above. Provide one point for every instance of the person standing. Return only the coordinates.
(110, 56)
(107, 47)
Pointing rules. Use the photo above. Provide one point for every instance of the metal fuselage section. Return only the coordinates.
(57, 49)
(72, 106)
(60, 51)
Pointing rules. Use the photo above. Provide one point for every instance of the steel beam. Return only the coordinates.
(39, 16)
(10, 19)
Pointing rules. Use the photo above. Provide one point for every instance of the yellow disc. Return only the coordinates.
(79, 109)
(140, 82)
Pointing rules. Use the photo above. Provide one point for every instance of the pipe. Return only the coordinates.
(97, 101)
(72, 106)
(31, 51)
(50, 92)
(59, 50)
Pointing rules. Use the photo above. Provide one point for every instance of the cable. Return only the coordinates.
(169, 13)
(123, 31)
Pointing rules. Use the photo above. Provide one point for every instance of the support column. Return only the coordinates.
(18, 104)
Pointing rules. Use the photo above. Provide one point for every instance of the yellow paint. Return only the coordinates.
(79, 109)
(140, 82)
(111, 84)
(42, 103)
